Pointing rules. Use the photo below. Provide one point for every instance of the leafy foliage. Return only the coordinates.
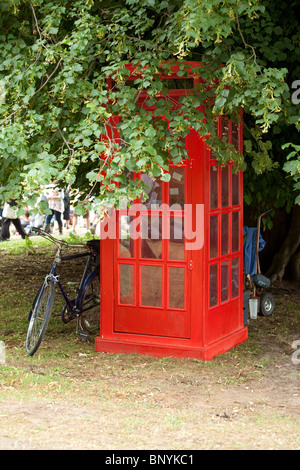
(66, 88)
(292, 166)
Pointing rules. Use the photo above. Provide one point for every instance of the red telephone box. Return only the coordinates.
(171, 277)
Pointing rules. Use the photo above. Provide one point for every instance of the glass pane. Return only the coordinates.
(235, 189)
(225, 234)
(216, 123)
(225, 127)
(151, 286)
(126, 239)
(176, 239)
(225, 186)
(214, 236)
(179, 83)
(151, 237)
(176, 188)
(130, 176)
(235, 135)
(224, 281)
(126, 292)
(213, 285)
(214, 187)
(235, 231)
(176, 287)
(154, 191)
(235, 277)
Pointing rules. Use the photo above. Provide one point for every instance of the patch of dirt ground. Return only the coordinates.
(171, 408)
(244, 399)
(164, 412)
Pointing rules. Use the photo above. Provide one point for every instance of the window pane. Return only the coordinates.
(235, 134)
(151, 286)
(213, 285)
(176, 238)
(176, 188)
(225, 186)
(127, 284)
(235, 277)
(176, 287)
(154, 191)
(225, 234)
(235, 189)
(151, 237)
(130, 176)
(214, 187)
(216, 124)
(126, 239)
(235, 231)
(214, 236)
(225, 127)
(224, 281)
(179, 83)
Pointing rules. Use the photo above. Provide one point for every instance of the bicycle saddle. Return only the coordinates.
(94, 244)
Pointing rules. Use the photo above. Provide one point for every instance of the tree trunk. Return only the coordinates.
(293, 270)
(288, 248)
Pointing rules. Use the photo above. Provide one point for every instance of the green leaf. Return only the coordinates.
(53, 30)
(150, 150)
(166, 177)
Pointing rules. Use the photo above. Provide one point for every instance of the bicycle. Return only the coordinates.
(86, 305)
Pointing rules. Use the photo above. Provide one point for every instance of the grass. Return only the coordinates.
(66, 367)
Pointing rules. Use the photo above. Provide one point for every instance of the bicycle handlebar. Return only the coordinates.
(54, 240)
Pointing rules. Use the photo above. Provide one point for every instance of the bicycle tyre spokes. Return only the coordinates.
(40, 317)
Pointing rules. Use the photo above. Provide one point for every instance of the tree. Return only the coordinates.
(57, 58)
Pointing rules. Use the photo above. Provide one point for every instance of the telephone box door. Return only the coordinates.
(151, 270)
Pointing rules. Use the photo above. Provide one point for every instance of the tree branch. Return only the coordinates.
(245, 43)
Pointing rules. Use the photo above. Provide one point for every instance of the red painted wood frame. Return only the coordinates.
(210, 319)
(224, 242)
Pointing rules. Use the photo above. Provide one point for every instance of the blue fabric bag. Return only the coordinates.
(249, 248)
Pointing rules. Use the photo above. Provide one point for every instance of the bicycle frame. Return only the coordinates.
(42, 306)
(76, 307)
(85, 279)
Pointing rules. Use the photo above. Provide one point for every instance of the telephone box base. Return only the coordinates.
(118, 345)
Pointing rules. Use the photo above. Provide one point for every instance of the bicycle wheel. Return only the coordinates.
(34, 302)
(90, 309)
(40, 317)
